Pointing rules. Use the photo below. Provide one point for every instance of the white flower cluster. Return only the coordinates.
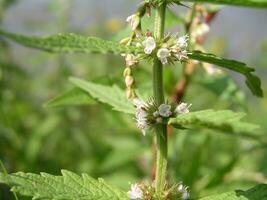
(183, 190)
(142, 115)
(135, 192)
(177, 49)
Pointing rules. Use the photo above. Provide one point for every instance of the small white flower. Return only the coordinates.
(133, 20)
(150, 44)
(182, 108)
(130, 60)
(163, 55)
(201, 30)
(138, 103)
(165, 110)
(184, 192)
(210, 69)
(182, 42)
(141, 120)
(135, 192)
(181, 55)
(140, 115)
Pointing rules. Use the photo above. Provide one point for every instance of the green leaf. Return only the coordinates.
(249, 3)
(252, 81)
(69, 43)
(259, 192)
(69, 186)
(224, 87)
(113, 96)
(223, 120)
(73, 97)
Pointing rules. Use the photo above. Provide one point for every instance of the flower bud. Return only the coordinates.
(130, 94)
(125, 40)
(129, 81)
(127, 71)
(130, 60)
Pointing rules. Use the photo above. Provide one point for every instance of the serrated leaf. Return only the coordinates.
(69, 43)
(249, 3)
(259, 192)
(223, 120)
(113, 96)
(73, 97)
(252, 81)
(69, 186)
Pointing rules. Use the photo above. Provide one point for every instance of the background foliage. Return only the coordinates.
(92, 138)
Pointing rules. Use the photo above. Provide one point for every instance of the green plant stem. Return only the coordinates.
(161, 130)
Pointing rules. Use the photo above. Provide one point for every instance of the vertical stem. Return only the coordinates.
(161, 130)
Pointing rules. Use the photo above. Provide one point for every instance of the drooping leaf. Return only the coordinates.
(73, 97)
(69, 43)
(252, 81)
(69, 186)
(258, 192)
(113, 96)
(249, 3)
(224, 120)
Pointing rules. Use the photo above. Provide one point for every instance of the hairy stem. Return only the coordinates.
(161, 131)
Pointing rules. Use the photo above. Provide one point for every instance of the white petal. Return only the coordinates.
(163, 54)
(135, 192)
(150, 44)
(165, 110)
(182, 108)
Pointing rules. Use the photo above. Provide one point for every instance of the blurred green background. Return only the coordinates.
(104, 143)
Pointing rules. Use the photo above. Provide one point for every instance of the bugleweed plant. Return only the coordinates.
(155, 115)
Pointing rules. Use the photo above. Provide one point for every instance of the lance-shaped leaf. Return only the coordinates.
(249, 3)
(73, 97)
(223, 120)
(252, 81)
(69, 186)
(113, 96)
(258, 192)
(70, 43)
